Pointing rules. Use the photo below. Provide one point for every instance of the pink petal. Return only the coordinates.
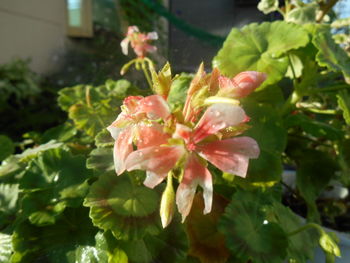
(195, 173)
(122, 148)
(182, 132)
(118, 125)
(217, 117)
(151, 135)
(152, 36)
(149, 48)
(132, 30)
(156, 107)
(124, 45)
(153, 179)
(132, 103)
(156, 159)
(231, 155)
(248, 81)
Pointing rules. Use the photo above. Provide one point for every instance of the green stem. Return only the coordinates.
(148, 78)
(334, 88)
(319, 111)
(325, 9)
(305, 227)
(289, 105)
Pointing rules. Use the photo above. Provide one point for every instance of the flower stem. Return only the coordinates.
(305, 227)
(148, 78)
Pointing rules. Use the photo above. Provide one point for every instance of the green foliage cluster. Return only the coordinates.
(61, 201)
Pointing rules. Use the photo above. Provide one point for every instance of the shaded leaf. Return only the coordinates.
(128, 210)
(54, 243)
(6, 147)
(61, 133)
(260, 47)
(101, 159)
(249, 236)
(104, 139)
(178, 91)
(206, 243)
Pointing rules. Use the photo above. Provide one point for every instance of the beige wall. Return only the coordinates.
(34, 29)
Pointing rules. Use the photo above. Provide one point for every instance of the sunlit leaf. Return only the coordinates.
(330, 54)
(127, 209)
(5, 247)
(249, 236)
(268, 6)
(260, 47)
(344, 103)
(206, 243)
(178, 91)
(302, 14)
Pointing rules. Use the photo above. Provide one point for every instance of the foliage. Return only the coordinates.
(62, 201)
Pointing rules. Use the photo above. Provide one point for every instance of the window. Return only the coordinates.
(79, 18)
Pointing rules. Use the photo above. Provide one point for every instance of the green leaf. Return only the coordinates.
(297, 67)
(5, 247)
(268, 6)
(7, 147)
(63, 242)
(300, 246)
(330, 54)
(104, 139)
(249, 236)
(101, 159)
(260, 47)
(313, 127)
(8, 198)
(312, 177)
(344, 103)
(128, 210)
(302, 14)
(61, 133)
(267, 130)
(178, 91)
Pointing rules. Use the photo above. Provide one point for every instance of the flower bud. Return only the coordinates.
(167, 204)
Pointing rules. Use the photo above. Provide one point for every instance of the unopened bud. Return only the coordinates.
(167, 204)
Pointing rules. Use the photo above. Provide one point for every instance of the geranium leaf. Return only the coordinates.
(101, 159)
(344, 103)
(7, 147)
(260, 47)
(330, 54)
(62, 133)
(55, 243)
(128, 210)
(206, 243)
(268, 131)
(5, 247)
(249, 236)
(302, 14)
(268, 6)
(104, 139)
(300, 246)
(8, 203)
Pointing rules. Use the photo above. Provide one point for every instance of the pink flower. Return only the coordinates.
(136, 124)
(138, 41)
(193, 147)
(241, 85)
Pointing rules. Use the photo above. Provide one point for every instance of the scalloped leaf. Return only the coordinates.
(7, 147)
(268, 6)
(344, 103)
(127, 209)
(260, 47)
(249, 236)
(5, 248)
(302, 14)
(61, 133)
(55, 243)
(206, 243)
(104, 139)
(300, 246)
(268, 131)
(330, 54)
(101, 159)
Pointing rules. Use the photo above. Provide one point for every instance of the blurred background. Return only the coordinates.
(52, 44)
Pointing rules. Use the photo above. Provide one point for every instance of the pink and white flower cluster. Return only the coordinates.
(138, 41)
(148, 136)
